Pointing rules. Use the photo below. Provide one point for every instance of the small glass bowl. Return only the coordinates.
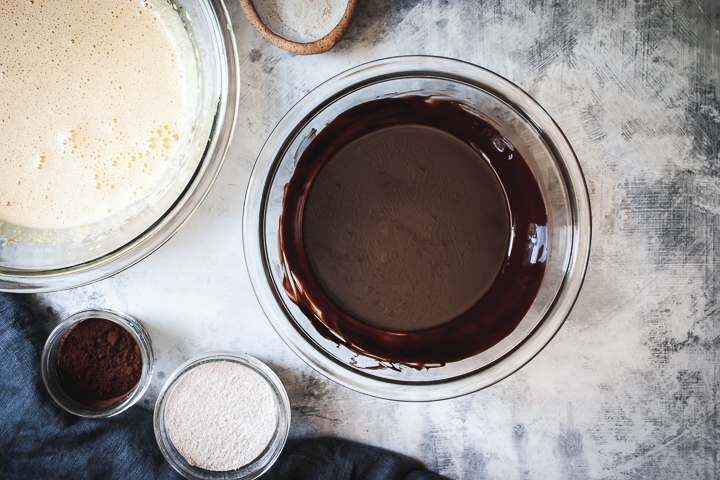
(260, 464)
(49, 361)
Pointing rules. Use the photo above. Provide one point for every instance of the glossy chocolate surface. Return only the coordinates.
(407, 232)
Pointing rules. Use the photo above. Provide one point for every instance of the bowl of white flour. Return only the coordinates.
(116, 118)
(222, 415)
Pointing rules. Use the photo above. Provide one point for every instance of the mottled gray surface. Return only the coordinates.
(629, 387)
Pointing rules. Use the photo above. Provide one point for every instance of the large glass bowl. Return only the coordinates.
(54, 260)
(517, 117)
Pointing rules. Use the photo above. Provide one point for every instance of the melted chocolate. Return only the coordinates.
(406, 232)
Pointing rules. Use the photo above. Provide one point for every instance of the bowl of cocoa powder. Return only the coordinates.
(97, 363)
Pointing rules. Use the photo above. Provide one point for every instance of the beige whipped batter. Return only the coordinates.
(93, 103)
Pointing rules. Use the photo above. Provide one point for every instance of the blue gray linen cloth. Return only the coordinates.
(39, 440)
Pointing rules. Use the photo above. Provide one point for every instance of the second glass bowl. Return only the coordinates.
(67, 260)
(517, 117)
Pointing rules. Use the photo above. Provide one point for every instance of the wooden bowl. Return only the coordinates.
(321, 45)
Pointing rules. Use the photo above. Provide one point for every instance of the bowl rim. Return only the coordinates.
(321, 45)
(531, 113)
(157, 234)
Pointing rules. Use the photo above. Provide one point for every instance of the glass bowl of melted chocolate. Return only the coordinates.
(417, 228)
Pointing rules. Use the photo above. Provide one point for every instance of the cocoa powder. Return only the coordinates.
(99, 362)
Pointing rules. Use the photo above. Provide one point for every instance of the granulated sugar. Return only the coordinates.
(221, 416)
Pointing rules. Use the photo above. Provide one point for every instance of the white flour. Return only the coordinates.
(301, 21)
(221, 416)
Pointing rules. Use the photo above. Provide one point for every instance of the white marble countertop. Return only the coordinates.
(629, 386)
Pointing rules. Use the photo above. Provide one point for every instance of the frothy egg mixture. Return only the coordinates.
(96, 99)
